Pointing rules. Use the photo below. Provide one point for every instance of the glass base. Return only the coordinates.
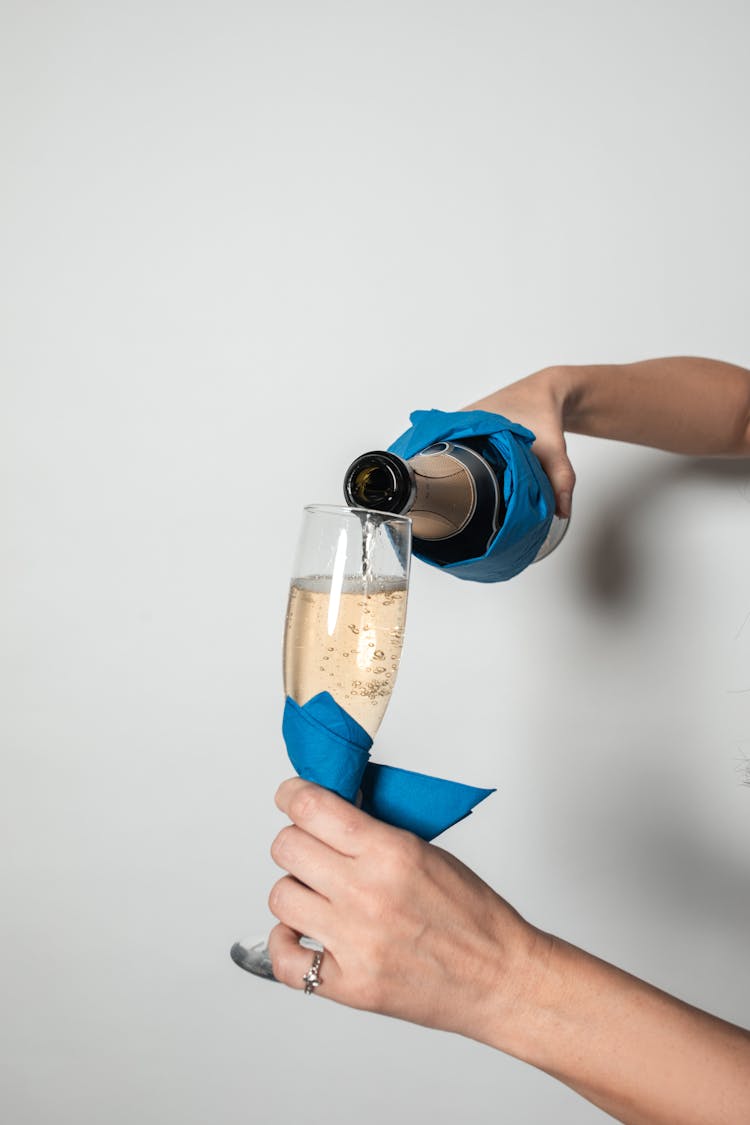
(252, 956)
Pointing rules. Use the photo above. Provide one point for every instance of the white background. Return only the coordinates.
(240, 242)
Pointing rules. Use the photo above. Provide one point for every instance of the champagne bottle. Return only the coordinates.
(452, 493)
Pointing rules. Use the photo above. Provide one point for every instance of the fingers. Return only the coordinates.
(300, 909)
(308, 860)
(292, 961)
(329, 818)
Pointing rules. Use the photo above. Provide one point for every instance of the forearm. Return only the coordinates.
(681, 404)
(411, 932)
(644, 1057)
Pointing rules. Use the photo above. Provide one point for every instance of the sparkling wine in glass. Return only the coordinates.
(344, 627)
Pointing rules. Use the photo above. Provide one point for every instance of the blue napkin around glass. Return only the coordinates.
(327, 746)
(529, 499)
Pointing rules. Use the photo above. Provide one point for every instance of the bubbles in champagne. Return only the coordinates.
(353, 654)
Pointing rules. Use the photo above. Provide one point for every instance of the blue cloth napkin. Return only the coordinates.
(529, 499)
(327, 746)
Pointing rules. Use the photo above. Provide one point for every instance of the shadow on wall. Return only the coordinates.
(660, 852)
(647, 825)
(612, 565)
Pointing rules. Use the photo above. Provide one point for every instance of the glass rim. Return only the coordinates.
(345, 510)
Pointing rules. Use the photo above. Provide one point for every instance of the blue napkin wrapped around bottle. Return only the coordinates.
(529, 498)
(327, 746)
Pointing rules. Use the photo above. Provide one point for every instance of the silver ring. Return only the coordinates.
(311, 978)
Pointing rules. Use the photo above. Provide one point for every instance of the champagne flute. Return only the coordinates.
(344, 628)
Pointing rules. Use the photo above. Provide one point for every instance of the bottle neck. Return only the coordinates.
(449, 490)
(381, 482)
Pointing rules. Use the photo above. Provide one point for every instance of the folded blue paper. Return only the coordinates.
(327, 746)
(529, 499)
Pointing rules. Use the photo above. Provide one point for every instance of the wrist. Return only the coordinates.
(570, 386)
(550, 1005)
(519, 1000)
(628, 1047)
(543, 1005)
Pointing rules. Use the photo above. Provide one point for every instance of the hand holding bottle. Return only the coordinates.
(537, 402)
(682, 404)
(481, 505)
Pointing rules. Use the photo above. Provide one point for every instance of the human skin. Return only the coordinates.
(410, 932)
(682, 404)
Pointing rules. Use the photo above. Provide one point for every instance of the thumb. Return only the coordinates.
(562, 477)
